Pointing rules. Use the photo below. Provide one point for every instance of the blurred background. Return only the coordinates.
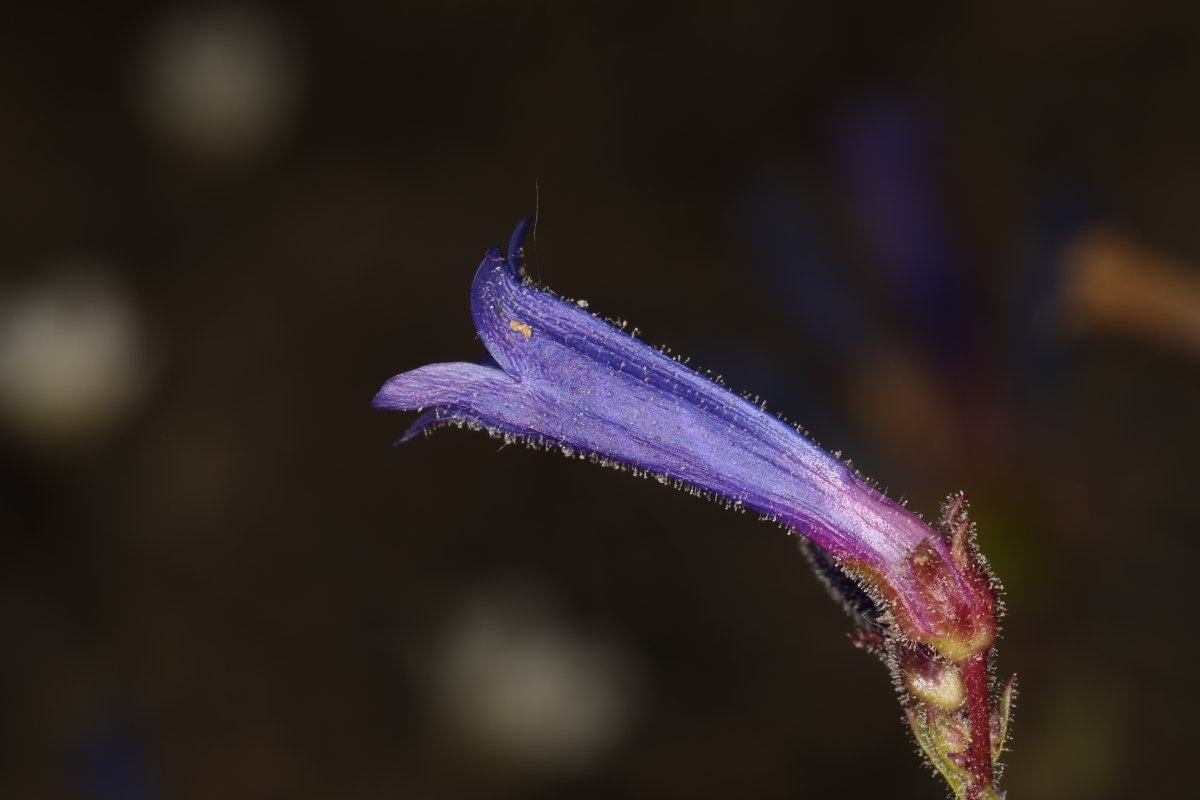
(957, 242)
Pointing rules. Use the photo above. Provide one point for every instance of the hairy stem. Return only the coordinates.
(979, 723)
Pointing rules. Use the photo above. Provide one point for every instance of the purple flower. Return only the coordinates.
(562, 377)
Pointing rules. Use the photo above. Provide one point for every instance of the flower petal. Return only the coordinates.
(567, 378)
(440, 385)
(563, 377)
(449, 388)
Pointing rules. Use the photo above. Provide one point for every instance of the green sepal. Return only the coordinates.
(1004, 712)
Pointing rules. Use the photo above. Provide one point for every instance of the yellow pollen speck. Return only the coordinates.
(523, 328)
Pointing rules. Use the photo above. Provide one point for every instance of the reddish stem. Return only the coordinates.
(979, 722)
